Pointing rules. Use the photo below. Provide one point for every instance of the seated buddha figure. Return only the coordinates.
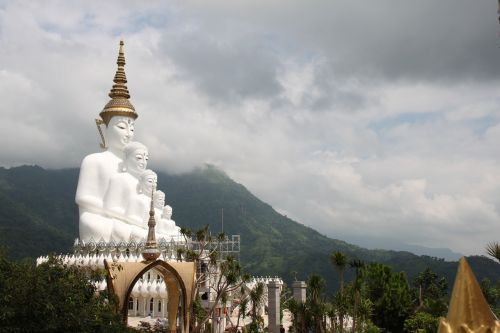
(138, 205)
(167, 227)
(122, 186)
(96, 170)
(159, 203)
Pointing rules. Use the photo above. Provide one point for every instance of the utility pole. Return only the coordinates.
(222, 218)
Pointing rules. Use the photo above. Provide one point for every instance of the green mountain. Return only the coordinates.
(38, 216)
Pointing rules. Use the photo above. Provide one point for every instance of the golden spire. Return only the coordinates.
(468, 311)
(151, 250)
(119, 105)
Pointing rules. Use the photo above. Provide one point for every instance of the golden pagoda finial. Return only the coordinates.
(468, 310)
(119, 105)
(151, 250)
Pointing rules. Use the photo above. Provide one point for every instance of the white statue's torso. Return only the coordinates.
(137, 211)
(96, 172)
(121, 187)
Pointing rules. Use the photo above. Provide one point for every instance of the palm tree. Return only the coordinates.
(339, 261)
(493, 249)
(316, 285)
(242, 311)
(357, 265)
(300, 314)
(256, 296)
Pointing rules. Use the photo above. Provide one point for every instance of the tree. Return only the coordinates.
(315, 300)
(357, 265)
(300, 315)
(222, 275)
(421, 322)
(339, 261)
(53, 297)
(340, 303)
(256, 298)
(242, 310)
(431, 292)
(491, 293)
(493, 250)
(390, 294)
(229, 278)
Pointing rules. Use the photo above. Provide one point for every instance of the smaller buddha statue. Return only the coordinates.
(138, 205)
(159, 203)
(127, 181)
(167, 227)
(124, 185)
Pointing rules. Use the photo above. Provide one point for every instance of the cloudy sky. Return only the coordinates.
(361, 119)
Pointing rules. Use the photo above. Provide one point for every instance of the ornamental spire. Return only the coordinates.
(119, 105)
(468, 310)
(151, 250)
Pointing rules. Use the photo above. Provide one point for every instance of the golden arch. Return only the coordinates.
(122, 277)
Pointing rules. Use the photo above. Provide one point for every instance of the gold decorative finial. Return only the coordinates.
(468, 310)
(119, 105)
(151, 251)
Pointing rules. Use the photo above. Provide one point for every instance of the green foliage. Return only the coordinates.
(198, 311)
(316, 301)
(339, 261)
(301, 316)
(493, 250)
(421, 322)
(370, 328)
(431, 292)
(492, 294)
(227, 270)
(157, 327)
(390, 293)
(256, 297)
(53, 298)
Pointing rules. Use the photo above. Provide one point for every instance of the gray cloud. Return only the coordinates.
(351, 118)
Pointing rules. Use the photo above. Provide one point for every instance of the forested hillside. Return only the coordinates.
(38, 215)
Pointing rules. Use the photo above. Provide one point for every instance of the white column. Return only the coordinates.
(273, 306)
(299, 291)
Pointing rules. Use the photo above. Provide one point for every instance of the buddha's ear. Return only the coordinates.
(139, 189)
(98, 123)
(121, 167)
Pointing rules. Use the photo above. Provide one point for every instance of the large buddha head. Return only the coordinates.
(119, 132)
(118, 114)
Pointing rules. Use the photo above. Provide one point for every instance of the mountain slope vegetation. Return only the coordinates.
(38, 216)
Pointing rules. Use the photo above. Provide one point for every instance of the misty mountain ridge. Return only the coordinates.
(38, 216)
(373, 243)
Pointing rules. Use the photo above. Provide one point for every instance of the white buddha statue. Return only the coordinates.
(97, 169)
(138, 205)
(159, 203)
(122, 186)
(167, 227)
